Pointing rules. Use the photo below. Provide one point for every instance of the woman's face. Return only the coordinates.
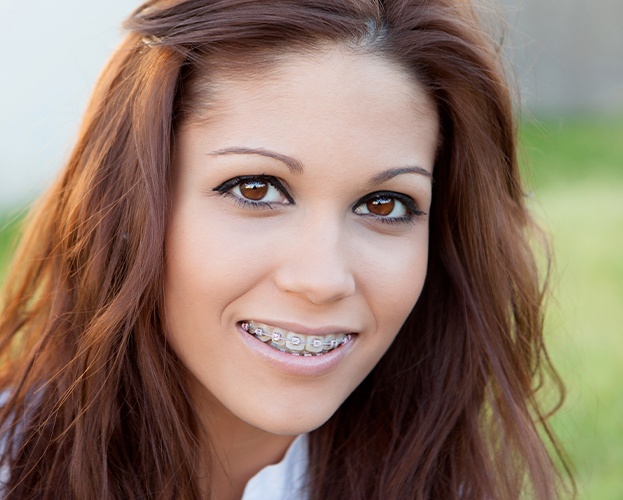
(297, 243)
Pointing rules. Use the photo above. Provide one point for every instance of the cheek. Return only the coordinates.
(208, 259)
(393, 281)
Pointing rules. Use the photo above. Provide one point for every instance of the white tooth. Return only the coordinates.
(261, 333)
(263, 337)
(295, 342)
(258, 331)
(327, 343)
(278, 337)
(314, 344)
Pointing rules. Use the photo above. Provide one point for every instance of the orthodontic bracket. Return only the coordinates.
(276, 337)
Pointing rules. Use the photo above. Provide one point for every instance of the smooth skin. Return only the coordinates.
(299, 199)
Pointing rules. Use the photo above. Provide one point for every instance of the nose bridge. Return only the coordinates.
(317, 262)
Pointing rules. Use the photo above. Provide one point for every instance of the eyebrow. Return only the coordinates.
(295, 166)
(393, 172)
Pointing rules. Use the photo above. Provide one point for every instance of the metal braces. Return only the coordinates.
(277, 337)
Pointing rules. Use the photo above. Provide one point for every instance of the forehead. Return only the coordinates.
(349, 111)
(338, 69)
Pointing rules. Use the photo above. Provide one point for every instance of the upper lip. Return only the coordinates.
(295, 327)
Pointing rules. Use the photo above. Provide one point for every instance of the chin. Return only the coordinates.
(293, 416)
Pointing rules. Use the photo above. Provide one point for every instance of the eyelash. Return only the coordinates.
(412, 209)
(225, 189)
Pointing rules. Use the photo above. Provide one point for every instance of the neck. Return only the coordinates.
(238, 451)
(242, 454)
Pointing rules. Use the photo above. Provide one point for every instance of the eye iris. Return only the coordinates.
(254, 190)
(381, 206)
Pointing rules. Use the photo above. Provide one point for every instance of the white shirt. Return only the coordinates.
(284, 480)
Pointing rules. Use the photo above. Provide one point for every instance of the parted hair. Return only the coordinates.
(95, 401)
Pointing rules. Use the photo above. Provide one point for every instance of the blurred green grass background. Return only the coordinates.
(574, 171)
(575, 168)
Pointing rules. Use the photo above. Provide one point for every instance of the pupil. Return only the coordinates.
(381, 206)
(254, 190)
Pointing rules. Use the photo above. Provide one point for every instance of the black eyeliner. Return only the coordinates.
(409, 203)
(413, 210)
(226, 186)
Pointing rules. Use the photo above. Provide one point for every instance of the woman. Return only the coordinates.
(247, 245)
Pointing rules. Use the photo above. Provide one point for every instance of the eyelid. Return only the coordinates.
(409, 203)
(229, 184)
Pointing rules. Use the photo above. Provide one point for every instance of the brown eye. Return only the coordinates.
(382, 206)
(388, 207)
(254, 190)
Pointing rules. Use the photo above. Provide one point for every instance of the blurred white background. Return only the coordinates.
(51, 52)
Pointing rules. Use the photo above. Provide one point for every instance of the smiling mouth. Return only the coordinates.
(295, 343)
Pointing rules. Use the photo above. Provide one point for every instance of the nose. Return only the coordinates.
(317, 264)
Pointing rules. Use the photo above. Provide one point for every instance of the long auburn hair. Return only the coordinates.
(95, 403)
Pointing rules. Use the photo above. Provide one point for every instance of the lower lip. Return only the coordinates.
(302, 366)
